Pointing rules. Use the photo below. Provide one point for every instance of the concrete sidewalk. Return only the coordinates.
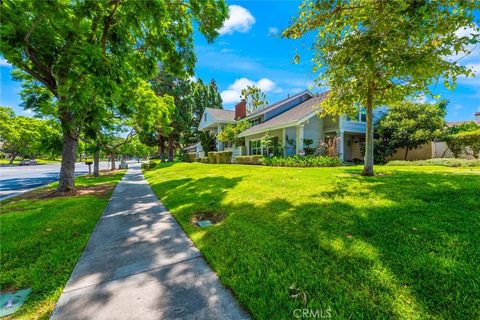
(139, 264)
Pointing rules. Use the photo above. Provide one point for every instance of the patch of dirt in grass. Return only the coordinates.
(101, 191)
(214, 216)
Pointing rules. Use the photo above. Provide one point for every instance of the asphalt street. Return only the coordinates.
(15, 180)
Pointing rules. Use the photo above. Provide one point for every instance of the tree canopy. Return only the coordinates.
(255, 98)
(377, 53)
(410, 125)
(84, 50)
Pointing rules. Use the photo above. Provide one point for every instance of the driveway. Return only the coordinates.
(15, 180)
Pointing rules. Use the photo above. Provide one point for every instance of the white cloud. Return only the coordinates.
(458, 106)
(471, 51)
(232, 94)
(240, 20)
(272, 31)
(226, 50)
(4, 62)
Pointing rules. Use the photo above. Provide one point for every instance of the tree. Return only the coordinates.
(180, 88)
(231, 131)
(20, 135)
(207, 141)
(378, 53)
(255, 97)
(410, 125)
(203, 96)
(152, 116)
(79, 50)
(463, 139)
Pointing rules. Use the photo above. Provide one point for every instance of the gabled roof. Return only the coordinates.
(292, 116)
(277, 104)
(221, 114)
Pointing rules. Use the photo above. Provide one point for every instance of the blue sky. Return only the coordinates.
(250, 51)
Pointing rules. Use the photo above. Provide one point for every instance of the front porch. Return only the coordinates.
(308, 137)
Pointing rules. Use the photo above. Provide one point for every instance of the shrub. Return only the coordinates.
(248, 159)
(298, 161)
(223, 157)
(446, 162)
(189, 157)
(198, 160)
(212, 158)
(149, 165)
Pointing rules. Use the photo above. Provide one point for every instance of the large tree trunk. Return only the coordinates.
(171, 149)
(112, 157)
(162, 150)
(96, 163)
(67, 170)
(406, 153)
(368, 167)
(14, 155)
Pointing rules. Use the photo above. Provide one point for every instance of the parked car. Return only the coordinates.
(28, 163)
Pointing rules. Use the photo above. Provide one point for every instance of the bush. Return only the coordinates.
(152, 164)
(189, 157)
(212, 158)
(446, 162)
(248, 159)
(223, 157)
(298, 161)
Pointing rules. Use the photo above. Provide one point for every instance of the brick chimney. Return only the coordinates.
(241, 110)
(477, 117)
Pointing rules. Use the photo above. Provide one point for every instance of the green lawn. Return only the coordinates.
(42, 239)
(401, 245)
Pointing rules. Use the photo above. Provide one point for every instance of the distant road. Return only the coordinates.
(15, 180)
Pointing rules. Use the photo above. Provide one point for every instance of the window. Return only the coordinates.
(273, 149)
(255, 121)
(255, 147)
(363, 115)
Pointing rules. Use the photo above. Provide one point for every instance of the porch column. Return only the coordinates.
(284, 142)
(219, 143)
(341, 145)
(298, 138)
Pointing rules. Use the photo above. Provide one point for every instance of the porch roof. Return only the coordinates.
(291, 117)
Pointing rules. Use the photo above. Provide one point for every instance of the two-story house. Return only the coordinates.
(290, 123)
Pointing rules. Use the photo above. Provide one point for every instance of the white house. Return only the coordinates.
(290, 122)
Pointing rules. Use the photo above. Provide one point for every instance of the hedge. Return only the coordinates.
(211, 157)
(446, 162)
(201, 160)
(248, 159)
(190, 157)
(149, 165)
(299, 161)
(223, 157)
(220, 157)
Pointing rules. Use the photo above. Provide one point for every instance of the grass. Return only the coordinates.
(401, 245)
(43, 237)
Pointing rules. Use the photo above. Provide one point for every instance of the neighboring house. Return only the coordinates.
(433, 149)
(289, 122)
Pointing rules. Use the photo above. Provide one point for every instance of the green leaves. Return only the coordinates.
(255, 97)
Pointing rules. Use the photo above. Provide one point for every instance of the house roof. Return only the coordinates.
(277, 104)
(221, 114)
(457, 123)
(289, 117)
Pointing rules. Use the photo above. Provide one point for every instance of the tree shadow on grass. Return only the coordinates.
(408, 248)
